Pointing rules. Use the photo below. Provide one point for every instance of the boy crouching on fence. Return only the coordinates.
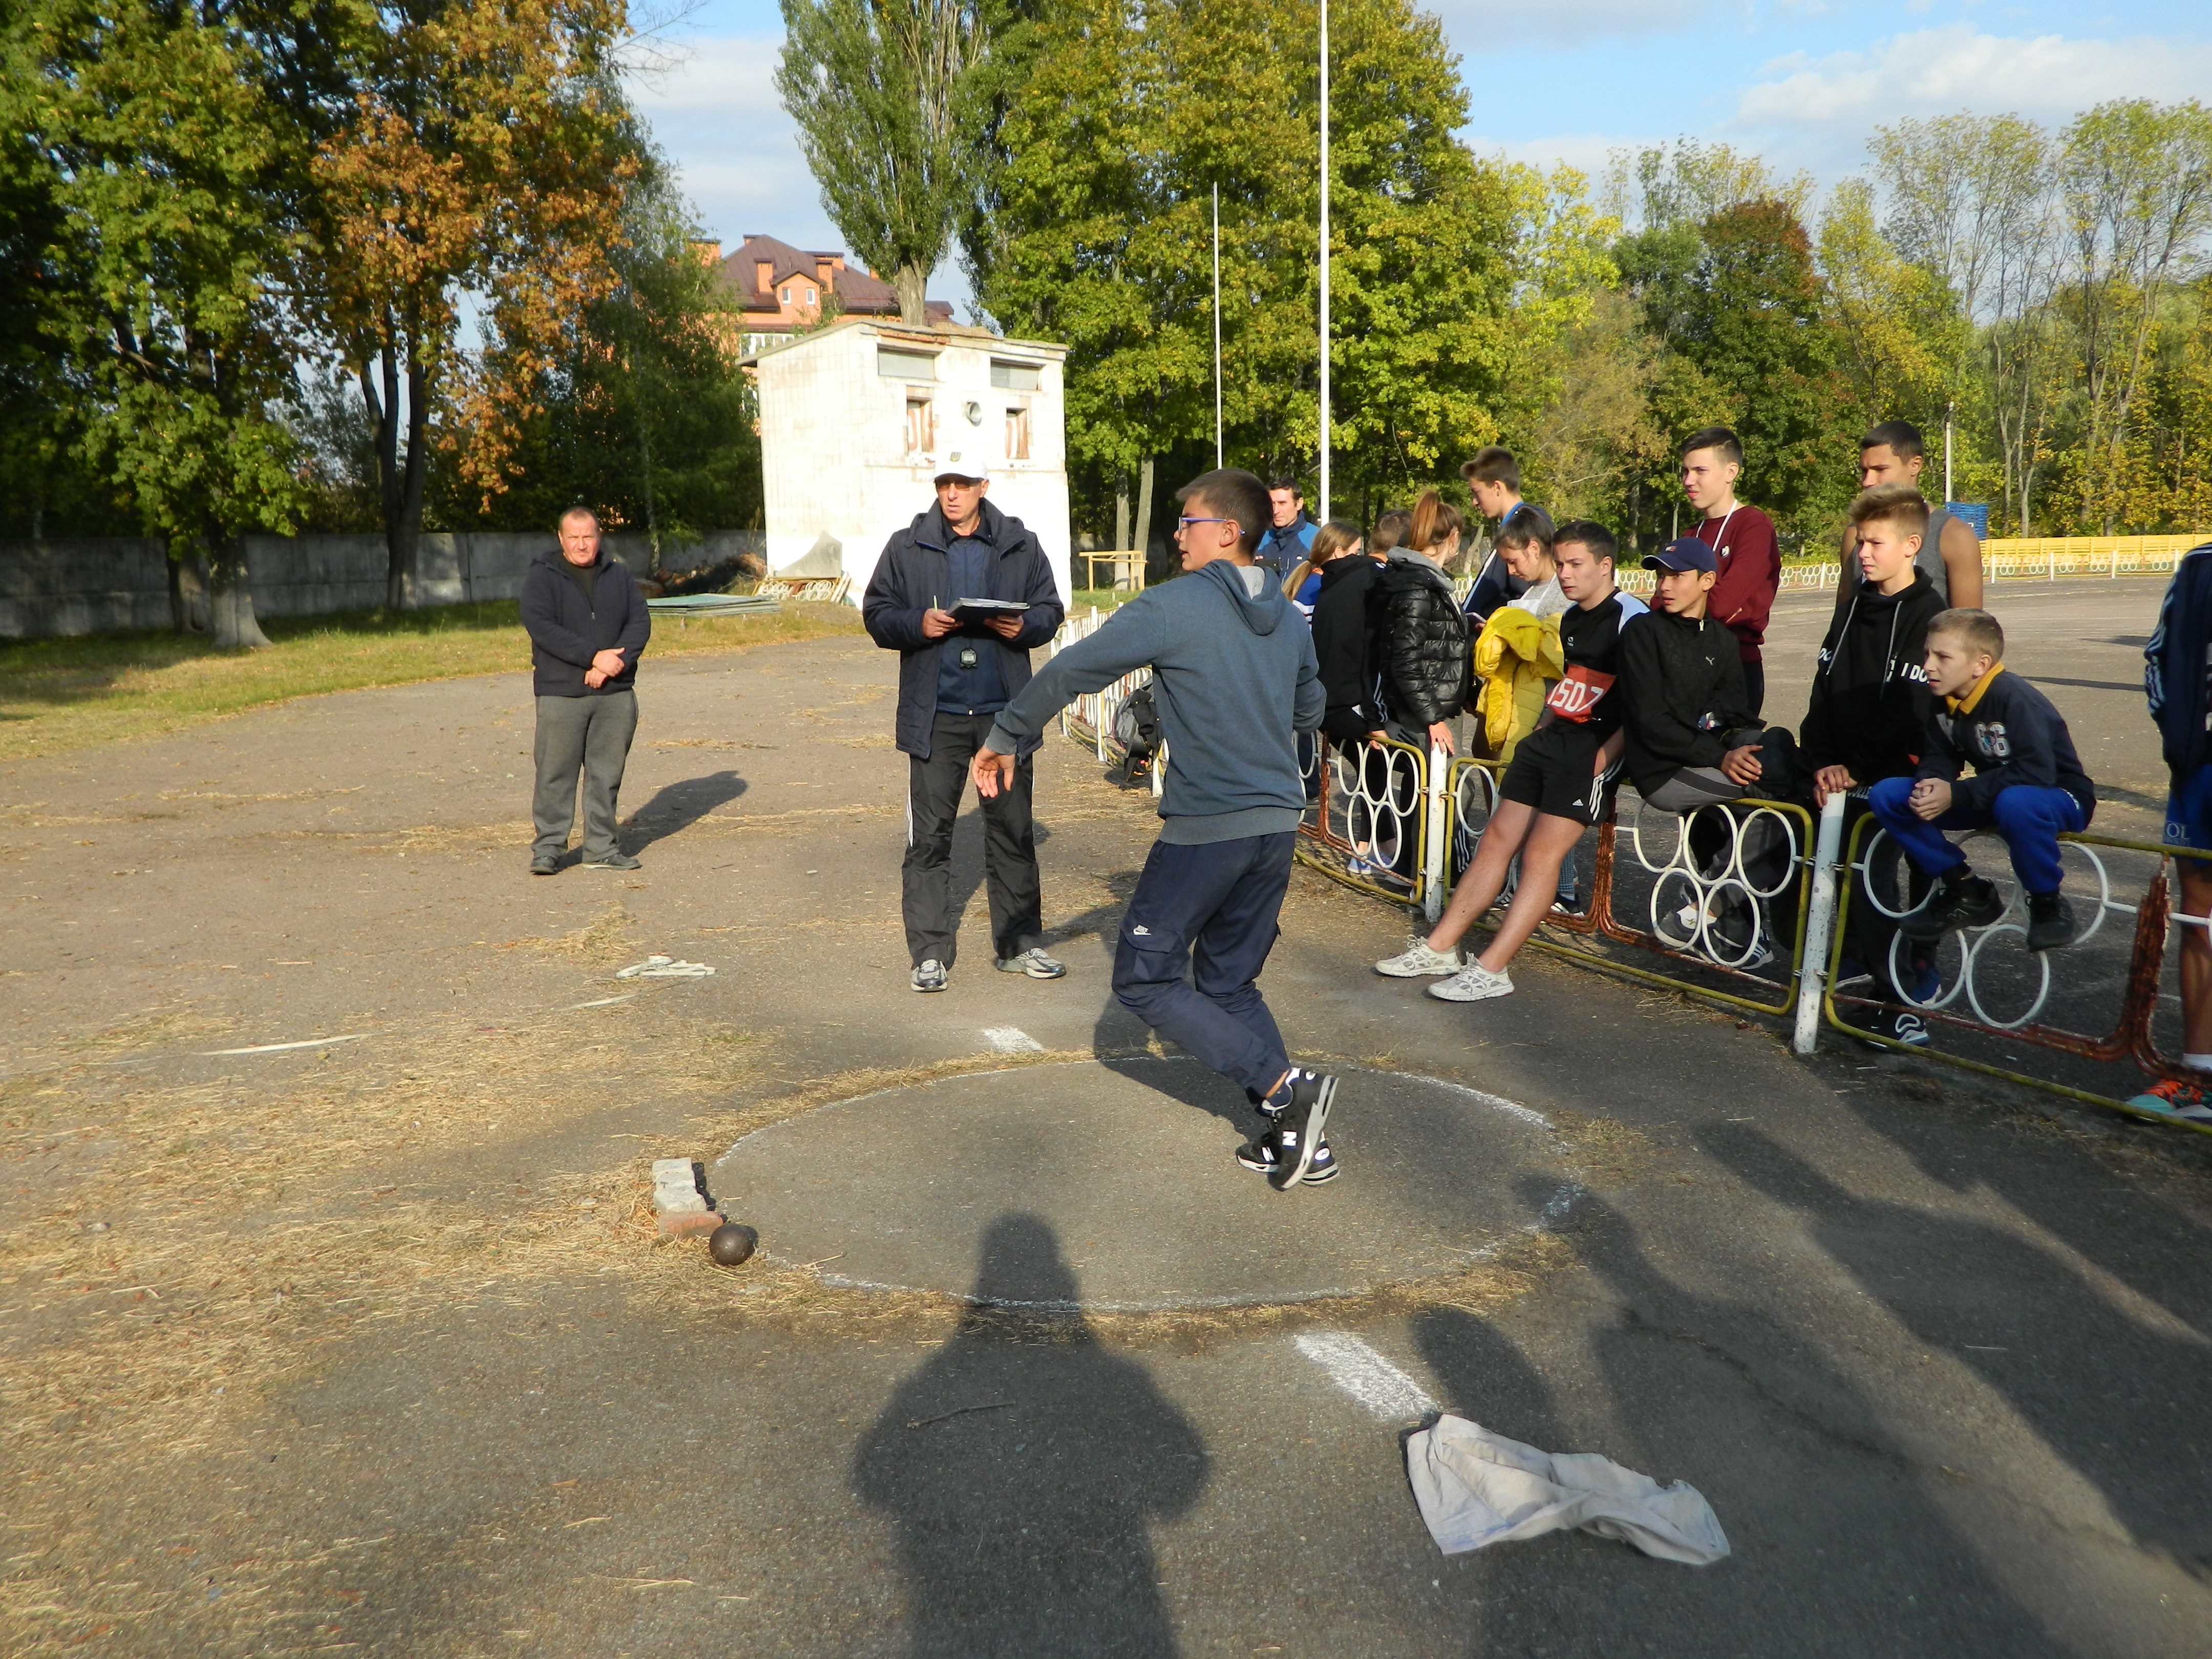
(1869, 712)
(1559, 783)
(2027, 782)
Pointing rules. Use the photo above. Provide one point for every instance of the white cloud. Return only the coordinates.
(1936, 71)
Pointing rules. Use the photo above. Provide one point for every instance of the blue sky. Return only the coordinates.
(1802, 83)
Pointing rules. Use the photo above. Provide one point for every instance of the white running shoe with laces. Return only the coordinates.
(1473, 983)
(1418, 961)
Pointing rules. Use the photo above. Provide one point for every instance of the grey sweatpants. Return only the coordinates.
(590, 735)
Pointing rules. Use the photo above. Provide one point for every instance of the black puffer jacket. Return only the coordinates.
(1419, 646)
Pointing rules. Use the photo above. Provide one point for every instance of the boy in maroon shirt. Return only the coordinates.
(1742, 540)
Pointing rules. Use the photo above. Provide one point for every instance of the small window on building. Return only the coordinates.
(905, 365)
(787, 296)
(920, 428)
(1018, 435)
(1014, 377)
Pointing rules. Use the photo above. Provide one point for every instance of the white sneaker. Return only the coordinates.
(1473, 983)
(1417, 962)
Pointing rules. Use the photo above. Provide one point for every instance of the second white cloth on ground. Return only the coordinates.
(1476, 1488)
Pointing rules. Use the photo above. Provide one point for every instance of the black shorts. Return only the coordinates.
(1550, 772)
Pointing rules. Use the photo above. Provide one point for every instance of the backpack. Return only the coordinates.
(1137, 729)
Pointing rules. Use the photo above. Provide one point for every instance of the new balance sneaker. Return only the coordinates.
(1033, 963)
(929, 976)
(1300, 1107)
(1418, 961)
(2190, 1101)
(1261, 1157)
(613, 861)
(2050, 921)
(1473, 983)
(1960, 899)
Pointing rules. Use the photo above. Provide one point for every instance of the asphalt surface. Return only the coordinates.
(1936, 1354)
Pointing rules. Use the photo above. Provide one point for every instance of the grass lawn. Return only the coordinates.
(61, 695)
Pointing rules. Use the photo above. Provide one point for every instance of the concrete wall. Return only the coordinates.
(91, 585)
(838, 475)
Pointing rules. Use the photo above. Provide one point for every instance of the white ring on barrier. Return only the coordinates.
(1709, 942)
(1790, 865)
(2103, 890)
(1973, 996)
(1897, 942)
(1635, 840)
(1662, 912)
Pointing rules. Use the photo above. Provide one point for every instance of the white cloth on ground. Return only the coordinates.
(1477, 1488)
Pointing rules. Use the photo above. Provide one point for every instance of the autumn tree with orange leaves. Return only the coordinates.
(479, 177)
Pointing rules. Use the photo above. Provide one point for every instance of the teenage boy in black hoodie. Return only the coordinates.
(2027, 781)
(1692, 738)
(1868, 716)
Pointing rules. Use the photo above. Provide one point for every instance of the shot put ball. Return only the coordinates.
(732, 1243)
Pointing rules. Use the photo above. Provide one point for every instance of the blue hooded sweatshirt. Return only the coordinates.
(1234, 675)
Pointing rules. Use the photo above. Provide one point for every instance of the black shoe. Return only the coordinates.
(1261, 1157)
(1898, 1025)
(1298, 1124)
(1959, 900)
(2050, 921)
(545, 865)
(613, 861)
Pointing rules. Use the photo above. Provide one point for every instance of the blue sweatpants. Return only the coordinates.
(2030, 819)
(1207, 915)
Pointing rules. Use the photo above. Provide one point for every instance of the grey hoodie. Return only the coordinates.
(1233, 673)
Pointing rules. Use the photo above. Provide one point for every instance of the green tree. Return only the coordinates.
(876, 87)
(1903, 341)
(643, 414)
(480, 164)
(175, 164)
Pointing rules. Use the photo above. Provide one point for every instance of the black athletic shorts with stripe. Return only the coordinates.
(1550, 772)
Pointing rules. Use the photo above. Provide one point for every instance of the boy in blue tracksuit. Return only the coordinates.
(2027, 781)
(2177, 682)
(1235, 680)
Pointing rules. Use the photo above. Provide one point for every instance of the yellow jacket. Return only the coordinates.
(1516, 656)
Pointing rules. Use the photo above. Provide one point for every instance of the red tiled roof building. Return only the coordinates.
(781, 289)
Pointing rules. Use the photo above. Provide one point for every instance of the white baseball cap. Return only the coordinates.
(958, 466)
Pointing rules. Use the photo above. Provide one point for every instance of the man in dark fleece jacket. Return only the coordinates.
(2027, 781)
(587, 623)
(1234, 677)
(955, 675)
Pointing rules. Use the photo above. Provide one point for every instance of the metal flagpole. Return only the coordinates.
(1324, 262)
(1218, 461)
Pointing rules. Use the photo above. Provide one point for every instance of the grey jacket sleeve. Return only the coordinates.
(1129, 640)
(1312, 699)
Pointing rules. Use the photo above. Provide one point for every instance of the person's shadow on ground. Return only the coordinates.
(676, 807)
(1023, 1464)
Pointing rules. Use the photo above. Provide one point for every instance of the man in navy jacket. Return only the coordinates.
(954, 678)
(587, 623)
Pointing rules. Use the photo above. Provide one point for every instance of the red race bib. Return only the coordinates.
(1575, 694)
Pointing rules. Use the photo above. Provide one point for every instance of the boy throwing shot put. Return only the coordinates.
(1560, 783)
(2027, 781)
(1233, 673)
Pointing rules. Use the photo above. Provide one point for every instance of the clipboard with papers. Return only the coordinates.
(968, 611)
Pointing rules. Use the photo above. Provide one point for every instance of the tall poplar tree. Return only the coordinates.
(876, 87)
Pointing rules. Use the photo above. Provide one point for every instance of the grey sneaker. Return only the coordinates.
(1033, 963)
(1418, 961)
(545, 865)
(1473, 983)
(929, 976)
(616, 860)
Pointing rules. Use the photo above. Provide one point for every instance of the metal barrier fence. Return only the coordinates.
(1092, 718)
(1749, 904)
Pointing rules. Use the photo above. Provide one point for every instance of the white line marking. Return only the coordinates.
(605, 1002)
(1011, 1040)
(278, 1048)
(1387, 1392)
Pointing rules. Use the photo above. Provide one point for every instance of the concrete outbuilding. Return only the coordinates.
(857, 419)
